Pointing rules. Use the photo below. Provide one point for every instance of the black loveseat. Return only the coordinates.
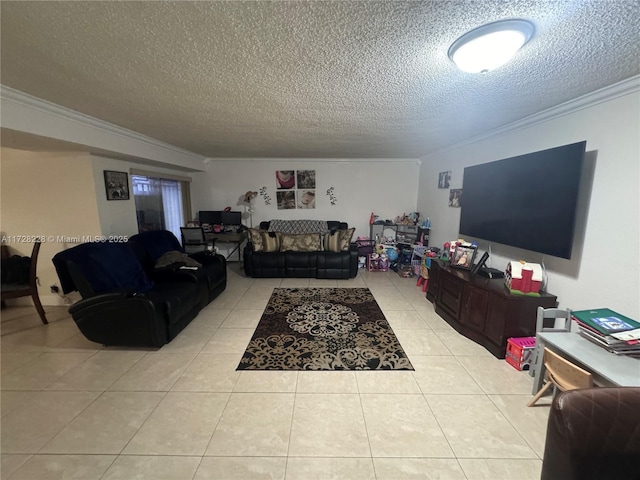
(125, 304)
(270, 253)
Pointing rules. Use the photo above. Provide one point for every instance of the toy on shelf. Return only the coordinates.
(410, 219)
(523, 278)
(445, 252)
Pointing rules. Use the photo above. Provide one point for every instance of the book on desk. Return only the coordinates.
(610, 330)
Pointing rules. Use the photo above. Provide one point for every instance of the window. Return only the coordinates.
(161, 203)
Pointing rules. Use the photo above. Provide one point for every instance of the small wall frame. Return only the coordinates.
(463, 256)
(116, 184)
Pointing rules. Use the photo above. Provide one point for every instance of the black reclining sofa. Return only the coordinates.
(125, 304)
(150, 246)
(294, 256)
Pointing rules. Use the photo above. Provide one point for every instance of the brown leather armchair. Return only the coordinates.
(593, 434)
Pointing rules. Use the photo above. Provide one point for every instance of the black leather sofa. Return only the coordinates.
(150, 246)
(296, 264)
(122, 304)
(593, 434)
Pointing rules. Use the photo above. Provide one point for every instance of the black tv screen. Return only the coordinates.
(232, 218)
(212, 217)
(528, 201)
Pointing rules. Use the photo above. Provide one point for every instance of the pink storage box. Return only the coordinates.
(520, 352)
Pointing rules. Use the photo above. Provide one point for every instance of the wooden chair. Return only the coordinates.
(555, 314)
(562, 375)
(16, 290)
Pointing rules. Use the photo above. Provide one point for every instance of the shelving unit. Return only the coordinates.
(409, 234)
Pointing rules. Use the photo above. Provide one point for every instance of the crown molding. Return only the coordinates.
(24, 101)
(620, 89)
(208, 160)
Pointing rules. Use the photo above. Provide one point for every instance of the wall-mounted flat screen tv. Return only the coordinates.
(529, 201)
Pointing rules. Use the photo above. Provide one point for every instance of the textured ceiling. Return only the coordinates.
(347, 79)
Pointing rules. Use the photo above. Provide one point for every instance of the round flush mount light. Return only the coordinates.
(490, 46)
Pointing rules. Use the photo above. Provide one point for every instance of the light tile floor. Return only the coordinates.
(72, 409)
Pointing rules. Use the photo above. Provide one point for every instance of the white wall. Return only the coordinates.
(604, 270)
(118, 217)
(62, 197)
(387, 187)
(50, 195)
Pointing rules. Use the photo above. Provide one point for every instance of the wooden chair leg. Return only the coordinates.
(537, 396)
(38, 304)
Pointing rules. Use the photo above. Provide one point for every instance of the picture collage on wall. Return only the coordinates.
(295, 189)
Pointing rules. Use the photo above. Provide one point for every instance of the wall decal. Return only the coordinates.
(332, 197)
(265, 196)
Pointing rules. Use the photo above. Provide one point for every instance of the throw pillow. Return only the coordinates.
(345, 238)
(175, 259)
(305, 242)
(332, 241)
(256, 239)
(338, 240)
(270, 241)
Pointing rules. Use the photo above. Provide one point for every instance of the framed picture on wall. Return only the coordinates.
(455, 197)
(306, 178)
(286, 200)
(306, 199)
(285, 179)
(444, 179)
(116, 185)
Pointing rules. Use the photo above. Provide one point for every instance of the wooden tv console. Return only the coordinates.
(483, 309)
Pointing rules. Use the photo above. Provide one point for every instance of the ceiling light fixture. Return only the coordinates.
(490, 46)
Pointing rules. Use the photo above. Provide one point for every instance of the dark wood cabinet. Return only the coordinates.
(474, 310)
(483, 309)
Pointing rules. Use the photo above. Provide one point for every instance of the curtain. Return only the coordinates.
(147, 194)
(159, 203)
(172, 204)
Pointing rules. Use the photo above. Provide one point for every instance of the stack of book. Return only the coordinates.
(610, 330)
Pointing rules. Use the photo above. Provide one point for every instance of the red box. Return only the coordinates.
(520, 352)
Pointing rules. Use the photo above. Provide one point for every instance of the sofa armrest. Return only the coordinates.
(593, 433)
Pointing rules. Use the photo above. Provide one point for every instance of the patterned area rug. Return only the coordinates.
(323, 329)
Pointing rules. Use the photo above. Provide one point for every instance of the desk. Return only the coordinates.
(236, 238)
(615, 369)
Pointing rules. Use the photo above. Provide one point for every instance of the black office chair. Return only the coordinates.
(194, 240)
